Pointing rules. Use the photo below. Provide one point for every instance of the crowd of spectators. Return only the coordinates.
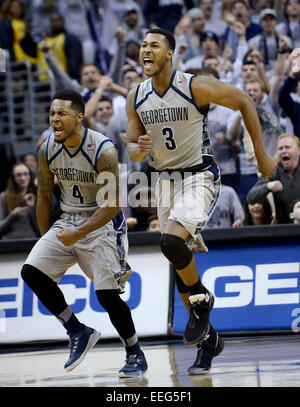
(93, 47)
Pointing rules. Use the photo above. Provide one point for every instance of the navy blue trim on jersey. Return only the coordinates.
(203, 112)
(46, 151)
(119, 222)
(137, 105)
(79, 148)
(98, 151)
(182, 95)
(49, 161)
(86, 156)
(161, 95)
(216, 171)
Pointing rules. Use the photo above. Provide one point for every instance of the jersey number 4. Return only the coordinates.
(77, 193)
(169, 138)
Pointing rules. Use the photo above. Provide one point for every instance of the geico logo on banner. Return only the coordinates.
(22, 299)
(233, 286)
(263, 285)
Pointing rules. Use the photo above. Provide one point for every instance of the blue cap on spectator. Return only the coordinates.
(209, 34)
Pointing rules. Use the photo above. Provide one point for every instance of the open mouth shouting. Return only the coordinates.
(148, 63)
(58, 130)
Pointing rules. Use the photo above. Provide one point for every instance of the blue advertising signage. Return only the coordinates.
(256, 287)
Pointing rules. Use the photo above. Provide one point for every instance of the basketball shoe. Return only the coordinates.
(198, 324)
(207, 350)
(135, 366)
(80, 344)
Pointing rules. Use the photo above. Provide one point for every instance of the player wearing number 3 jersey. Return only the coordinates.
(167, 117)
(91, 231)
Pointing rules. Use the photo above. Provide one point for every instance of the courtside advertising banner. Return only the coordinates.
(256, 287)
(23, 318)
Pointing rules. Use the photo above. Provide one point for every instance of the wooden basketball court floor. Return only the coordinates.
(261, 361)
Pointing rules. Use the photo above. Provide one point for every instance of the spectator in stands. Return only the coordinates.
(285, 182)
(258, 212)
(131, 25)
(17, 205)
(289, 96)
(291, 26)
(188, 44)
(259, 6)
(31, 161)
(295, 211)
(41, 11)
(267, 42)
(266, 110)
(130, 78)
(240, 138)
(252, 66)
(224, 152)
(132, 57)
(240, 13)
(92, 84)
(247, 171)
(15, 33)
(164, 15)
(153, 224)
(77, 22)
(281, 69)
(209, 43)
(65, 47)
(111, 13)
(228, 211)
(104, 111)
(223, 67)
(211, 23)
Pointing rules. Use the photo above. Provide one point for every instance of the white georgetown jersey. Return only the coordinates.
(180, 134)
(76, 170)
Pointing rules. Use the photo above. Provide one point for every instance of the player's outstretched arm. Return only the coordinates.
(207, 90)
(139, 144)
(44, 206)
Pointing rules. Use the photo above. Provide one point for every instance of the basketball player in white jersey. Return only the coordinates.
(86, 233)
(167, 117)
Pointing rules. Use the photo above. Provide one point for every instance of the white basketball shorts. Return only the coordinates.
(96, 254)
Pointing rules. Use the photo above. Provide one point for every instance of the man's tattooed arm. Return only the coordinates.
(44, 206)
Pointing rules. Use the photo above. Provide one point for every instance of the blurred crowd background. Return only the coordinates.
(93, 47)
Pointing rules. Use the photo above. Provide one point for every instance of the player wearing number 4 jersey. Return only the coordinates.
(167, 117)
(91, 231)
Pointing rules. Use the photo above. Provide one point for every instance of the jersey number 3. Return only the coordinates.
(169, 138)
(77, 193)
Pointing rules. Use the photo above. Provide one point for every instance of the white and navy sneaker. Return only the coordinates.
(205, 354)
(198, 324)
(80, 344)
(135, 366)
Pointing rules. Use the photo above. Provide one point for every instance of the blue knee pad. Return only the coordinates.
(175, 250)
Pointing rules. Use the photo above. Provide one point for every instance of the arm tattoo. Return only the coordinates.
(108, 178)
(45, 176)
